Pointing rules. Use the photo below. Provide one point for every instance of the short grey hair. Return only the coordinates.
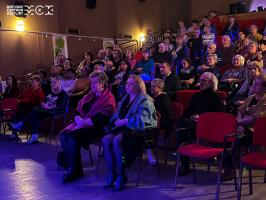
(213, 79)
(158, 83)
(241, 58)
(251, 42)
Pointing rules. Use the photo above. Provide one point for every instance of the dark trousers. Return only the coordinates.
(72, 141)
(34, 118)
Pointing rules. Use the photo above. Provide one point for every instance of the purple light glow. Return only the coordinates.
(256, 3)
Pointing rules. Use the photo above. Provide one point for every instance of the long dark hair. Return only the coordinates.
(14, 80)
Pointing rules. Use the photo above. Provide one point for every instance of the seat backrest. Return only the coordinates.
(214, 126)
(177, 109)
(222, 94)
(10, 104)
(259, 136)
(184, 97)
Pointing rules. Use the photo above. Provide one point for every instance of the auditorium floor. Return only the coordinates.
(29, 172)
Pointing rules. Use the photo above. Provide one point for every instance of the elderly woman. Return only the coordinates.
(211, 66)
(54, 104)
(253, 107)
(94, 111)
(236, 74)
(243, 91)
(162, 104)
(135, 113)
(207, 100)
(253, 52)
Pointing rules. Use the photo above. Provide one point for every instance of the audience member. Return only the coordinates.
(94, 111)
(231, 29)
(254, 35)
(145, 68)
(241, 45)
(87, 62)
(12, 90)
(171, 80)
(54, 104)
(187, 74)
(135, 113)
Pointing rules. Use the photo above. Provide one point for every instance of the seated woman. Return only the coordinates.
(119, 85)
(94, 111)
(54, 104)
(80, 88)
(12, 90)
(32, 96)
(253, 52)
(211, 66)
(187, 74)
(69, 80)
(252, 108)
(236, 98)
(234, 75)
(135, 113)
(87, 62)
(130, 58)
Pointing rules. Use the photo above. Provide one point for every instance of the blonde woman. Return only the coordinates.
(135, 113)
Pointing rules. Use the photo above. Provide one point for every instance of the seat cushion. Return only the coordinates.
(199, 151)
(255, 159)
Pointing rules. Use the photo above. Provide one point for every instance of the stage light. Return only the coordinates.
(20, 26)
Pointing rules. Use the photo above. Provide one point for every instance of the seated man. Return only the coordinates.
(207, 100)
(54, 104)
(171, 81)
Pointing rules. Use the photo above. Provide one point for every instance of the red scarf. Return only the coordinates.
(105, 104)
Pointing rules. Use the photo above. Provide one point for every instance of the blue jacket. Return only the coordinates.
(141, 115)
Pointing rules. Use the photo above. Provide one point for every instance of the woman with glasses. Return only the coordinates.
(135, 113)
(93, 112)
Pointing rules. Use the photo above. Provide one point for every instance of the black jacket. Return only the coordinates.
(171, 85)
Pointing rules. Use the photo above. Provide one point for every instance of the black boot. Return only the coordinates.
(120, 183)
(110, 181)
(72, 176)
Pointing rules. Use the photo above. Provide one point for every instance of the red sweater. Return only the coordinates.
(32, 97)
